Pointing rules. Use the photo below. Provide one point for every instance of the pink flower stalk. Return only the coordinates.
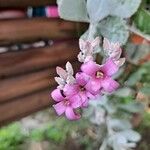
(80, 89)
(66, 105)
(113, 51)
(87, 49)
(65, 76)
(101, 76)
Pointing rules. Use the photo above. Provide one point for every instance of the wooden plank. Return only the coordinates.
(27, 30)
(22, 107)
(25, 3)
(26, 84)
(14, 63)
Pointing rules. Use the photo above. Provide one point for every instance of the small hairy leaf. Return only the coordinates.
(74, 10)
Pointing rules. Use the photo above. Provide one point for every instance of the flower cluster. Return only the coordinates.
(91, 81)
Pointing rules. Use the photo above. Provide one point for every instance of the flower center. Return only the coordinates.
(99, 74)
(66, 102)
(82, 88)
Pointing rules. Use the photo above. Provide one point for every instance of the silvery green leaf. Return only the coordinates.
(131, 135)
(114, 29)
(99, 9)
(74, 10)
(98, 116)
(124, 8)
(99, 101)
(124, 92)
(110, 108)
(119, 124)
(135, 77)
(141, 50)
(134, 107)
(145, 90)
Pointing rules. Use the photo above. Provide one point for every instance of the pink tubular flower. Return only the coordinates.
(101, 76)
(65, 105)
(79, 89)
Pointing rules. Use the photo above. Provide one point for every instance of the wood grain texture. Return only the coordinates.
(25, 3)
(22, 107)
(20, 86)
(26, 84)
(14, 63)
(28, 30)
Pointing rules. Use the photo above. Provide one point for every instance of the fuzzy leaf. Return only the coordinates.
(99, 9)
(124, 92)
(142, 20)
(114, 29)
(118, 124)
(124, 8)
(131, 135)
(135, 77)
(74, 10)
(134, 107)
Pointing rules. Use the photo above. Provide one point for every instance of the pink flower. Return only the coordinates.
(101, 76)
(113, 51)
(66, 105)
(80, 90)
(87, 49)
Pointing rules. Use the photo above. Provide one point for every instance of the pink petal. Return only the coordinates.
(90, 95)
(109, 85)
(83, 97)
(71, 90)
(106, 44)
(59, 80)
(59, 108)
(82, 78)
(120, 62)
(93, 86)
(109, 68)
(75, 101)
(95, 42)
(86, 103)
(56, 95)
(61, 72)
(82, 44)
(69, 68)
(90, 68)
(70, 114)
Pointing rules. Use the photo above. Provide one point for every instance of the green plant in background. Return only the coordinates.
(142, 17)
(11, 137)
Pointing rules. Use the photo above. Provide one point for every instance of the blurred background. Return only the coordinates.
(33, 41)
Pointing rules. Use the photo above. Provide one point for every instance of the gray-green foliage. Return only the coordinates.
(99, 11)
(74, 10)
(115, 116)
(114, 28)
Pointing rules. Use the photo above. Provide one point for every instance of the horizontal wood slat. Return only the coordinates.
(28, 30)
(22, 107)
(14, 63)
(26, 84)
(25, 3)
(20, 86)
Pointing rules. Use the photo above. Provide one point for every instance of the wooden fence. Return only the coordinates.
(27, 76)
